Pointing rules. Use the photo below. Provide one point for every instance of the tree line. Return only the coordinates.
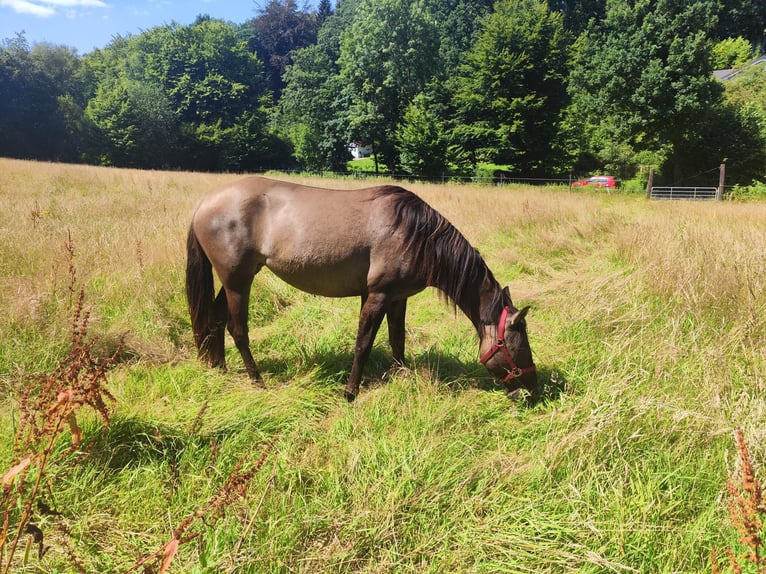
(542, 88)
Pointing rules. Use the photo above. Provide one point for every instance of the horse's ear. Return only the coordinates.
(507, 293)
(519, 315)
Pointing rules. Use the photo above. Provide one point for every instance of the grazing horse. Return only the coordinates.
(382, 244)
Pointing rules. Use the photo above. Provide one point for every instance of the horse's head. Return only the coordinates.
(505, 352)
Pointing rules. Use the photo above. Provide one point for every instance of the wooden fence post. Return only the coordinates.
(650, 183)
(721, 178)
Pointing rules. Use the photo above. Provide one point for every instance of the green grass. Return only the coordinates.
(648, 329)
(366, 165)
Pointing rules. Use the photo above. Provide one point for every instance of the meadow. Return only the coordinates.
(648, 326)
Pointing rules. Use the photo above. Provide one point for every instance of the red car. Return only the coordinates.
(597, 181)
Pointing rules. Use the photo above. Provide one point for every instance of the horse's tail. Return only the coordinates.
(200, 293)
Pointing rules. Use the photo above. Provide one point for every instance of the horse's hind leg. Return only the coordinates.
(220, 313)
(395, 317)
(237, 301)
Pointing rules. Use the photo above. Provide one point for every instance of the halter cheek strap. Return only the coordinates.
(500, 346)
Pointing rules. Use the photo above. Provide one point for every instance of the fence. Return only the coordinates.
(683, 193)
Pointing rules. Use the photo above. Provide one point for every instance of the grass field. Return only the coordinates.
(648, 326)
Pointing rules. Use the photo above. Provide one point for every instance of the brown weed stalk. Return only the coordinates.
(234, 488)
(72, 268)
(746, 511)
(48, 410)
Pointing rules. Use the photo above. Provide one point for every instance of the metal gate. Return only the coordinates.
(683, 193)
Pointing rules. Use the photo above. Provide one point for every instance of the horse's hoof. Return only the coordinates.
(349, 396)
(257, 382)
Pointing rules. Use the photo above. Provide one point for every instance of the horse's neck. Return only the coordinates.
(479, 309)
(465, 279)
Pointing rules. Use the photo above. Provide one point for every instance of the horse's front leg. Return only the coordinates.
(373, 310)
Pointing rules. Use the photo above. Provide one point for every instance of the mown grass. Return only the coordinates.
(647, 325)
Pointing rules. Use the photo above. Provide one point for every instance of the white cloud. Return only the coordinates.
(47, 8)
(74, 3)
(24, 7)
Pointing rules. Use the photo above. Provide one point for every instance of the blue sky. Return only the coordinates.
(89, 24)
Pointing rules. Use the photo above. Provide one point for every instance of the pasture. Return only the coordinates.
(648, 327)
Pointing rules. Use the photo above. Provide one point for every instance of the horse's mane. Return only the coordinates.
(446, 258)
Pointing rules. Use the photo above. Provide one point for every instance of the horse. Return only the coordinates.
(382, 244)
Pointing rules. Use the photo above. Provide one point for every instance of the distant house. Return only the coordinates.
(729, 74)
(360, 150)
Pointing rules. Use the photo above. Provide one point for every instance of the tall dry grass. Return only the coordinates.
(647, 327)
(121, 233)
(117, 231)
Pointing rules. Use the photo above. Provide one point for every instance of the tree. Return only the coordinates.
(314, 103)
(731, 53)
(36, 86)
(745, 18)
(421, 141)
(578, 14)
(748, 88)
(324, 11)
(137, 121)
(196, 89)
(279, 29)
(642, 78)
(510, 91)
(458, 23)
(745, 105)
(388, 55)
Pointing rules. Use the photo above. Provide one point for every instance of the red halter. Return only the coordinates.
(515, 371)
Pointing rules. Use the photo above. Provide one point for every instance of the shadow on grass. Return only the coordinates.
(136, 440)
(129, 441)
(331, 369)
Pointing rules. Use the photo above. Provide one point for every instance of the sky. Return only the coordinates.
(89, 24)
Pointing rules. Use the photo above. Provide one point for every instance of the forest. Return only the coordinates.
(541, 89)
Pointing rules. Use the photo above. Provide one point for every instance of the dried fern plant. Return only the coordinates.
(49, 408)
(235, 487)
(746, 512)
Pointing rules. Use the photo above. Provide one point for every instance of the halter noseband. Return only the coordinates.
(500, 345)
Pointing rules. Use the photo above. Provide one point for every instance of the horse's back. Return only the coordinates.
(323, 241)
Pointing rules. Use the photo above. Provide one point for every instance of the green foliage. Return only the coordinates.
(742, 18)
(543, 86)
(748, 88)
(731, 53)
(510, 91)
(755, 191)
(32, 81)
(137, 120)
(192, 96)
(310, 107)
(388, 55)
(626, 67)
(314, 103)
(458, 23)
(578, 14)
(279, 29)
(421, 142)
